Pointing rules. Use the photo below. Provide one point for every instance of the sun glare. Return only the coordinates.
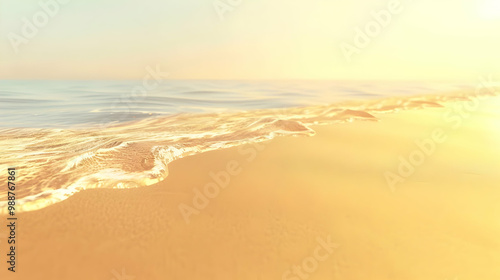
(490, 9)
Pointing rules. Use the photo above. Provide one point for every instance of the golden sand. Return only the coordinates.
(293, 208)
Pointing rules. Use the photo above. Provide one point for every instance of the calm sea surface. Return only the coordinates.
(64, 104)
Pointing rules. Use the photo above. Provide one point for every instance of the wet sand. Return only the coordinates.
(293, 208)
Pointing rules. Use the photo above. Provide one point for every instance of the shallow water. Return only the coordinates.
(83, 147)
(65, 104)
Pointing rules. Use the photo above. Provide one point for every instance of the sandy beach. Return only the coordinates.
(412, 196)
(249, 140)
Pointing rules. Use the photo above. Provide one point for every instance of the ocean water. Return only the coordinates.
(67, 104)
(67, 136)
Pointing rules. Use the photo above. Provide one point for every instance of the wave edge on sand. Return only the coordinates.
(54, 164)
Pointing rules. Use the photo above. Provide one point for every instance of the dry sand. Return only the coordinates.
(289, 197)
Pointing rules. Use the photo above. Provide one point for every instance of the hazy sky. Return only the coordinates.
(257, 39)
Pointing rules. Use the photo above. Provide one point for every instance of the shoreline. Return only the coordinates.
(152, 168)
(290, 192)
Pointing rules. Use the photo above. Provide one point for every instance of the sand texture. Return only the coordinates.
(308, 207)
